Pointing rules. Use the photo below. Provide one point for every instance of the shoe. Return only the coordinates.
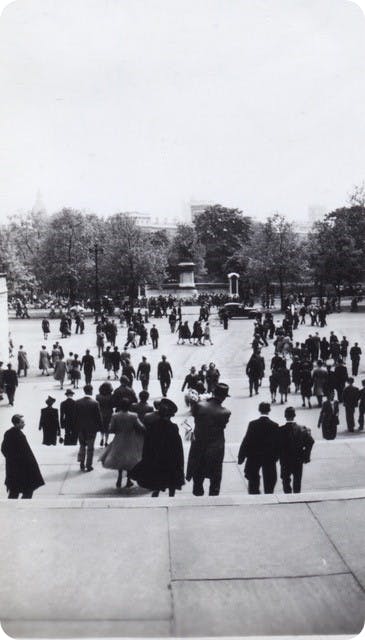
(82, 467)
(129, 484)
(89, 468)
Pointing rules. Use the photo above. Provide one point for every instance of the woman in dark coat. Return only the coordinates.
(49, 423)
(328, 418)
(306, 384)
(22, 471)
(104, 398)
(162, 464)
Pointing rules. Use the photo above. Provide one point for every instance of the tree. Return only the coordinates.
(336, 248)
(130, 257)
(185, 246)
(65, 262)
(274, 254)
(222, 232)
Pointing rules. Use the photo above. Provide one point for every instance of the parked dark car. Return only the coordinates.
(238, 310)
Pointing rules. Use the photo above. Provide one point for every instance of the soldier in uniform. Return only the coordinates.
(207, 447)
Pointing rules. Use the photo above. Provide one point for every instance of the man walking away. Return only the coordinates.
(260, 450)
(350, 396)
(295, 446)
(207, 447)
(361, 406)
(88, 365)
(355, 353)
(154, 336)
(88, 421)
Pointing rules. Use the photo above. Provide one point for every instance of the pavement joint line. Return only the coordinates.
(362, 588)
(172, 600)
(249, 578)
(229, 500)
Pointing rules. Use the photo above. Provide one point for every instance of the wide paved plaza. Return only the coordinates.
(84, 559)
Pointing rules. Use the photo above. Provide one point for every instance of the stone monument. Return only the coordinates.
(233, 284)
(4, 324)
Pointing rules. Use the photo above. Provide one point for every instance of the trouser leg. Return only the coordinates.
(350, 418)
(269, 476)
(215, 482)
(286, 479)
(297, 477)
(198, 484)
(13, 495)
(90, 452)
(361, 419)
(82, 451)
(27, 495)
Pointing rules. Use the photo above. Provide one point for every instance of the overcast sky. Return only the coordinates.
(145, 105)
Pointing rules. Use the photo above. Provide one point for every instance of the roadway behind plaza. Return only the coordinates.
(98, 561)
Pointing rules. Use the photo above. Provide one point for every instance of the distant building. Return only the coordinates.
(38, 206)
(199, 207)
(145, 222)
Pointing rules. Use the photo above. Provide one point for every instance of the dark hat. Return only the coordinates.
(221, 389)
(50, 400)
(165, 403)
(124, 380)
(69, 392)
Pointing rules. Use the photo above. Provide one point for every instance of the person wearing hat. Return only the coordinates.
(22, 473)
(162, 463)
(207, 447)
(105, 400)
(259, 448)
(67, 419)
(350, 396)
(49, 423)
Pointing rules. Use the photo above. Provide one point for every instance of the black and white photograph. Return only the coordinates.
(182, 318)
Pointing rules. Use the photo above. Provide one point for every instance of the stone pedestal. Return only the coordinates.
(4, 325)
(233, 284)
(186, 279)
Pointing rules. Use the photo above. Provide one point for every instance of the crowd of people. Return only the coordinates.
(146, 442)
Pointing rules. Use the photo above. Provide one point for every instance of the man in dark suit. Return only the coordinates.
(295, 446)
(88, 365)
(67, 418)
(350, 397)
(88, 422)
(10, 382)
(260, 450)
(164, 374)
(207, 447)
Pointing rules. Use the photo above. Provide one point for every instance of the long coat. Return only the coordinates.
(22, 471)
(328, 419)
(162, 464)
(126, 448)
(67, 418)
(88, 417)
(50, 425)
(319, 379)
(207, 447)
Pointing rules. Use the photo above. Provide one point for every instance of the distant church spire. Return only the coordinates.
(38, 206)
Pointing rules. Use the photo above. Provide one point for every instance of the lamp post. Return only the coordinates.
(95, 251)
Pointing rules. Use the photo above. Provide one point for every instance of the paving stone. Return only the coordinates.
(86, 629)
(314, 605)
(85, 565)
(321, 475)
(252, 541)
(344, 523)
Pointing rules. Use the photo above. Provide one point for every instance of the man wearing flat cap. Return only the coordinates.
(22, 475)
(260, 449)
(207, 447)
(49, 423)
